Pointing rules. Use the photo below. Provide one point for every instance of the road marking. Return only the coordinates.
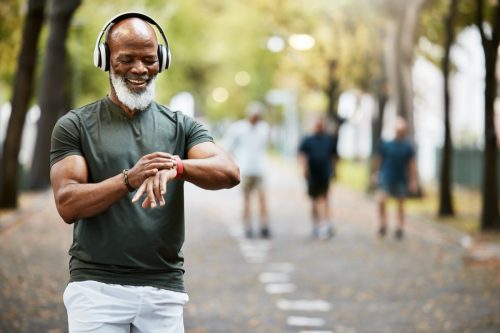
(262, 246)
(316, 332)
(305, 321)
(271, 277)
(284, 267)
(304, 305)
(255, 260)
(280, 288)
(255, 252)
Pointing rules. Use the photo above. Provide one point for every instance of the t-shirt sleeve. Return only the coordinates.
(196, 133)
(65, 138)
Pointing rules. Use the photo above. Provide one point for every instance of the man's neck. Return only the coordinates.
(128, 112)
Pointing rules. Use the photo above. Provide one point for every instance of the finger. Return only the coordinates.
(146, 203)
(150, 192)
(157, 154)
(163, 182)
(139, 193)
(156, 187)
(161, 164)
(163, 188)
(150, 173)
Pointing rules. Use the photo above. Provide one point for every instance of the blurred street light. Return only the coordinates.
(242, 78)
(275, 44)
(220, 94)
(301, 42)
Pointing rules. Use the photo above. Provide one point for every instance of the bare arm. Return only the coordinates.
(76, 198)
(376, 163)
(207, 166)
(412, 175)
(303, 164)
(211, 168)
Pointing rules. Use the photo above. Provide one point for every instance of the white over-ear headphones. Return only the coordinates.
(101, 51)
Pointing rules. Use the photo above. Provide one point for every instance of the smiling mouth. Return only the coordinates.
(137, 83)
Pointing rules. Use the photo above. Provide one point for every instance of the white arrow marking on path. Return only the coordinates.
(280, 288)
(304, 305)
(316, 332)
(305, 321)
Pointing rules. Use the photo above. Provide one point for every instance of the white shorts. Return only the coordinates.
(100, 307)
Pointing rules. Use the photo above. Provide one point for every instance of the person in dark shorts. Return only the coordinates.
(317, 157)
(395, 175)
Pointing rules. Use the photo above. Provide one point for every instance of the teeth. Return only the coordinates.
(137, 81)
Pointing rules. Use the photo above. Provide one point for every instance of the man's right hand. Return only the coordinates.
(154, 188)
(148, 166)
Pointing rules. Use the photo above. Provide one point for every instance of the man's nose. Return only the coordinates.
(139, 68)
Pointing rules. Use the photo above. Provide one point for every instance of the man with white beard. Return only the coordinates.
(126, 265)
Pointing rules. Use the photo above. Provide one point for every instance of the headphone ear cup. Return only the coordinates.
(168, 57)
(97, 56)
(101, 57)
(104, 56)
(163, 58)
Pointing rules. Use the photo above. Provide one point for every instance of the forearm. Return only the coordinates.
(211, 173)
(303, 164)
(76, 200)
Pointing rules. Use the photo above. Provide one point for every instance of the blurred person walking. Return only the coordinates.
(247, 139)
(126, 266)
(318, 158)
(395, 175)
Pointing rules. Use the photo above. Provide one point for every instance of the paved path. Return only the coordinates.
(354, 282)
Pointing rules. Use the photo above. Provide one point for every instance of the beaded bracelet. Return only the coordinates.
(125, 180)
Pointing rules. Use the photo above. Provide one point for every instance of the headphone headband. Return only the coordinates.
(101, 54)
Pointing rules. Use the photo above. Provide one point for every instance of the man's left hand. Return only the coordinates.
(154, 188)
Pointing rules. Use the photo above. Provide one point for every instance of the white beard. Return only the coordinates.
(132, 100)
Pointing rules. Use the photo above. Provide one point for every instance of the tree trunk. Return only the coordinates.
(403, 38)
(445, 184)
(333, 94)
(490, 215)
(52, 91)
(22, 93)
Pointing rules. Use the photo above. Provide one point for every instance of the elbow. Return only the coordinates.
(64, 208)
(234, 177)
(230, 173)
(231, 176)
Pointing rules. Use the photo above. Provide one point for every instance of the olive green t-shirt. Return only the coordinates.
(127, 244)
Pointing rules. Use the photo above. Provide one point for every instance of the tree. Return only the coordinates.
(52, 89)
(402, 34)
(22, 93)
(490, 39)
(445, 184)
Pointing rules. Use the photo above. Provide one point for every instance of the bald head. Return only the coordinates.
(132, 30)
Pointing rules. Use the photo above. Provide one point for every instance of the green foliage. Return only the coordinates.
(213, 40)
(10, 35)
(433, 20)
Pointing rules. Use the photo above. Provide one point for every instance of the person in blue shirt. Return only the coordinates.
(395, 175)
(317, 157)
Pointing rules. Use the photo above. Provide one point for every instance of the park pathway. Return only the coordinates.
(354, 282)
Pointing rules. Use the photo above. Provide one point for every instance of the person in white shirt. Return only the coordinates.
(247, 140)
